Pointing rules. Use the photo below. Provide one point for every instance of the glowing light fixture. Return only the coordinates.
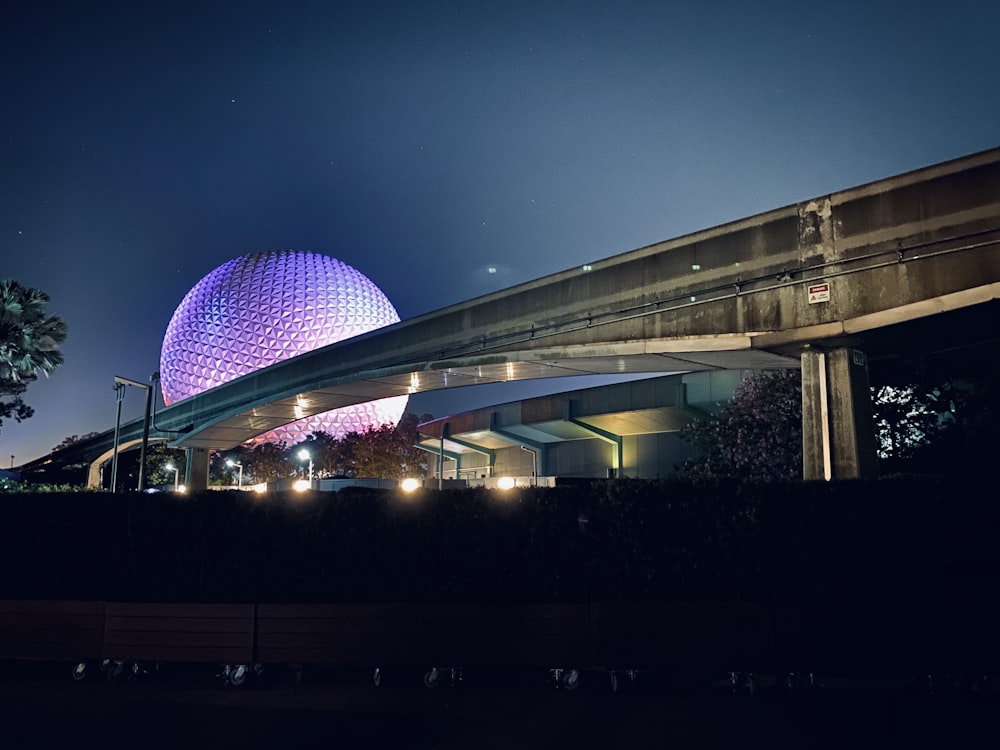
(177, 472)
(305, 455)
(506, 483)
(230, 462)
(410, 484)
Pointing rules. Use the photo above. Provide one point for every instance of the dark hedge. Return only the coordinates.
(895, 538)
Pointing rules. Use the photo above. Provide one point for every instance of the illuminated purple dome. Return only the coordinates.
(263, 308)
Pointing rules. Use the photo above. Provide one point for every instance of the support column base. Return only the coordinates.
(838, 429)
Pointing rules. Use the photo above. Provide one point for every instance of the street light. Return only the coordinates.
(177, 474)
(305, 455)
(231, 462)
(120, 384)
(534, 464)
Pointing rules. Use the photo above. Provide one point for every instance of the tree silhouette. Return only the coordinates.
(938, 414)
(29, 345)
(269, 462)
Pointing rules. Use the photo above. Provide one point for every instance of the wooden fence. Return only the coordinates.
(771, 638)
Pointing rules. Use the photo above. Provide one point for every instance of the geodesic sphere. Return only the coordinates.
(263, 308)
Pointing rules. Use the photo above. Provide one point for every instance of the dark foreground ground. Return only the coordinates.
(41, 706)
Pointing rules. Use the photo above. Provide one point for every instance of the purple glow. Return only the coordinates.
(263, 308)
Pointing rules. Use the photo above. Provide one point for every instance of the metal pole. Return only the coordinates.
(120, 384)
(145, 438)
(441, 463)
(177, 473)
(119, 395)
(534, 464)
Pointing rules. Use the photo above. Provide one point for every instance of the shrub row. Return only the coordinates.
(896, 538)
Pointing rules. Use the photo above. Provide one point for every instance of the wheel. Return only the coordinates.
(571, 679)
(238, 675)
(80, 671)
(431, 677)
(377, 677)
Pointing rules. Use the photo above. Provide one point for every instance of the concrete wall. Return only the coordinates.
(646, 456)
(580, 458)
(655, 456)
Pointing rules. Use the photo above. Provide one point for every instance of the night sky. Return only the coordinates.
(142, 144)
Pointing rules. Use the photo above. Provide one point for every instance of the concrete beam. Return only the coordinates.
(914, 247)
(514, 439)
(614, 440)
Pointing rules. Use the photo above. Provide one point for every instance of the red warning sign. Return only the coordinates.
(819, 293)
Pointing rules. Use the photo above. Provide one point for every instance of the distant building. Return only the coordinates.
(629, 429)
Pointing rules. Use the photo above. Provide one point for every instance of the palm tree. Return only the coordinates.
(29, 345)
(29, 339)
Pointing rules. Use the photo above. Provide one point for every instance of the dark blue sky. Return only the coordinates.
(144, 144)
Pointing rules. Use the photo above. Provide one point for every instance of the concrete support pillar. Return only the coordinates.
(95, 475)
(838, 432)
(196, 471)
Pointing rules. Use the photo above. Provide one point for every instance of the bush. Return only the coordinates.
(655, 540)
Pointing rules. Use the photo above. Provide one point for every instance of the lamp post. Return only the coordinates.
(177, 474)
(305, 455)
(119, 397)
(120, 384)
(230, 462)
(534, 464)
